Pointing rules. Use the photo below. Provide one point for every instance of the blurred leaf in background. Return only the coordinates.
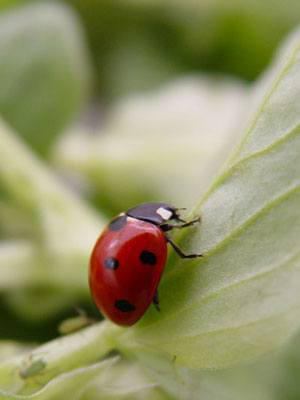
(45, 76)
(154, 40)
(136, 45)
(165, 144)
(64, 228)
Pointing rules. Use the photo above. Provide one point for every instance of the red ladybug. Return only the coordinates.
(128, 260)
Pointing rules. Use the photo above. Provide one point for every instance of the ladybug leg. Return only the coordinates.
(169, 227)
(185, 223)
(156, 300)
(180, 252)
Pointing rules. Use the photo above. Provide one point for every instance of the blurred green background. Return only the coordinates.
(116, 102)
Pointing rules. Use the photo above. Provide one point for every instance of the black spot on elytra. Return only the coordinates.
(118, 223)
(147, 257)
(111, 263)
(124, 305)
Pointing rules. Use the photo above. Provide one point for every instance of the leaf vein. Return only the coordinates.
(237, 327)
(272, 88)
(282, 140)
(252, 124)
(236, 231)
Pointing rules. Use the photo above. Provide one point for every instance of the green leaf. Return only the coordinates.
(29, 372)
(50, 366)
(125, 381)
(44, 71)
(239, 301)
(18, 262)
(9, 348)
(67, 385)
(242, 298)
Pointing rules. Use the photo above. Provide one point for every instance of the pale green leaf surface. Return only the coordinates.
(272, 377)
(239, 383)
(33, 373)
(242, 298)
(59, 356)
(10, 348)
(276, 118)
(131, 380)
(125, 381)
(67, 385)
(44, 71)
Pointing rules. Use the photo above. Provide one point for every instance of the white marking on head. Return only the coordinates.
(164, 213)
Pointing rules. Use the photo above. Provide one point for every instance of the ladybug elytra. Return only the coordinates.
(128, 260)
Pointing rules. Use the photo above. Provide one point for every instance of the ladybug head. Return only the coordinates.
(156, 213)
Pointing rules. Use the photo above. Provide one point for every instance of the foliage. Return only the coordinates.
(231, 148)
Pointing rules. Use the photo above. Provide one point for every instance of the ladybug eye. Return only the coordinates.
(147, 257)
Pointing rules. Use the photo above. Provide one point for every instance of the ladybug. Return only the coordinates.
(128, 260)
